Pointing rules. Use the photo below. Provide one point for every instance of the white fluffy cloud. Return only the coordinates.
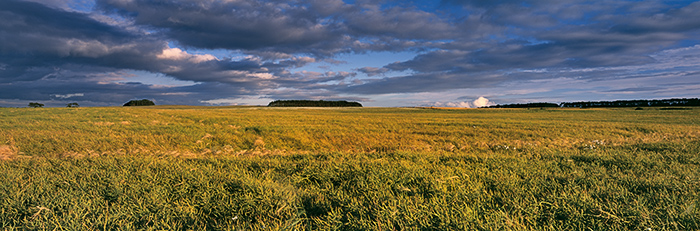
(178, 54)
(480, 102)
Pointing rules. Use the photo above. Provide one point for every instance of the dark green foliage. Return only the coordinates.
(618, 103)
(635, 103)
(143, 102)
(36, 105)
(525, 105)
(312, 103)
(72, 105)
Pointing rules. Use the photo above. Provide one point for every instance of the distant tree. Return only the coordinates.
(143, 102)
(312, 103)
(72, 105)
(36, 105)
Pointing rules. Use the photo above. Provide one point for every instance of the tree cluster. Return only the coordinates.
(635, 103)
(143, 102)
(618, 103)
(35, 104)
(525, 105)
(312, 103)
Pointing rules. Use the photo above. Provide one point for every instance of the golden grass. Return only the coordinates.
(257, 168)
(235, 129)
(7, 152)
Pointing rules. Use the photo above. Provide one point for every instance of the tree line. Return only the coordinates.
(617, 103)
(312, 103)
(141, 102)
(525, 105)
(635, 103)
(38, 105)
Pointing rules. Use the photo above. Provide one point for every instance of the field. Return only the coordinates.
(257, 168)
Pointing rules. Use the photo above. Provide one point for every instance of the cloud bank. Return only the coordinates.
(105, 52)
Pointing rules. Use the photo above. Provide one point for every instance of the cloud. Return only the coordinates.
(423, 82)
(373, 71)
(64, 48)
(323, 29)
(66, 96)
(67, 5)
(178, 54)
(38, 41)
(242, 24)
(398, 22)
(252, 49)
(480, 102)
(619, 37)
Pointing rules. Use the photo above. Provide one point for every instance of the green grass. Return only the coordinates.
(248, 168)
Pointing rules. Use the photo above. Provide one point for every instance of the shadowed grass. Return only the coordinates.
(612, 189)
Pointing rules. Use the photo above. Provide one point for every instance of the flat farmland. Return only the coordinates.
(259, 168)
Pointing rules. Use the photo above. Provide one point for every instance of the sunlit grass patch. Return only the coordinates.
(7, 152)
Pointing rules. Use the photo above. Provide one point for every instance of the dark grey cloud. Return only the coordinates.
(76, 91)
(228, 24)
(398, 22)
(658, 21)
(47, 50)
(424, 82)
(28, 18)
(103, 91)
(36, 39)
(636, 89)
(318, 27)
(373, 71)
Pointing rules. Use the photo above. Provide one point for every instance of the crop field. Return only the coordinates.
(258, 168)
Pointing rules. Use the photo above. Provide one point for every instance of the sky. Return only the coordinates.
(382, 53)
